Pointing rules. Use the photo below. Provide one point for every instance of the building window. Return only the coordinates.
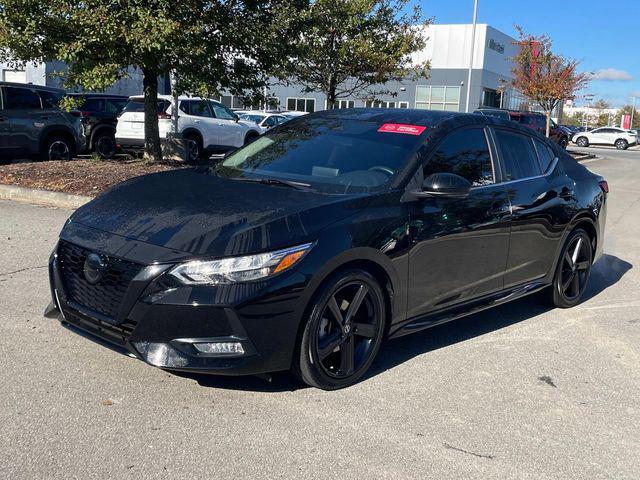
(15, 76)
(491, 98)
(235, 103)
(301, 104)
(438, 97)
(343, 104)
(381, 104)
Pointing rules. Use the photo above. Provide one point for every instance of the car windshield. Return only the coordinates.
(252, 118)
(331, 154)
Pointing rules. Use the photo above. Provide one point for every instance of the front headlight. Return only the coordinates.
(239, 269)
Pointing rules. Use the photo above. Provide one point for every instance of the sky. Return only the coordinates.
(601, 34)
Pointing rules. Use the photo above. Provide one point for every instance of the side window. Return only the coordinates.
(222, 112)
(545, 155)
(115, 105)
(21, 99)
(50, 99)
(200, 108)
(271, 122)
(518, 155)
(94, 105)
(465, 153)
(184, 107)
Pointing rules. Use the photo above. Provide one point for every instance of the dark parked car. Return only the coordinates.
(100, 116)
(331, 232)
(32, 124)
(538, 122)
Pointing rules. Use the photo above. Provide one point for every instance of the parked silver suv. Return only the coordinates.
(32, 124)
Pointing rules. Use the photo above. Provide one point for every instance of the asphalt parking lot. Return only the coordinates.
(516, 392)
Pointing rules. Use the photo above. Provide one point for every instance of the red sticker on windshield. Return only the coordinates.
(402, 128)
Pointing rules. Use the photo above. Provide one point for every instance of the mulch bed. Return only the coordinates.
(80, 177)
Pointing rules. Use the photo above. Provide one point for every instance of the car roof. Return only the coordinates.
(96, 95)
(169, 98)
(31, 85)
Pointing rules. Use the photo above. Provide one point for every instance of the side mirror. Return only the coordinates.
(236, 118)
(444, 185)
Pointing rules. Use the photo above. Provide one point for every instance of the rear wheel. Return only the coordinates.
(193, 145)
(250, 137)
(104, 144)
(582, 142)
(343, 334)
(57, 148)
(573, 270)
(622, 144)
(564, 142)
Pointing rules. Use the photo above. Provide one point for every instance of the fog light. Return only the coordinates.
(220, 348)
(161, 354)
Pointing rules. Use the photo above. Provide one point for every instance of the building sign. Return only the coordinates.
(498, 47)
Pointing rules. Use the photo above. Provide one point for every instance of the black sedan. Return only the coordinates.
(307, 248)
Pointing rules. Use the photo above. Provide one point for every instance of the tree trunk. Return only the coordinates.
(152, 149)
(331, 93)
(548, 123)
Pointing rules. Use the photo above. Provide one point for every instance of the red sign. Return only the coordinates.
(402, 128)
(625, 124)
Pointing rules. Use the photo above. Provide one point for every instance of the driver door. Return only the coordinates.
(459, 245)
(230, 132)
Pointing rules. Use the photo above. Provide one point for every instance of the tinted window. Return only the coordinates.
(464, 153)
(50, 99)
(222, 112)
(199, 108)
(93, 105)
(115, 105)
(270, 122)
(333, 154)
(518, 155)
(21, 99)
(545, 155)
(137, 105)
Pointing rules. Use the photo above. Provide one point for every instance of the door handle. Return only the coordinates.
(567, 194)
(196, 121)
(499, 210)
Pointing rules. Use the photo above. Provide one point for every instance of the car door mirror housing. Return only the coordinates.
(444, 185)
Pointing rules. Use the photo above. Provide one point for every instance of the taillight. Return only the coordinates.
(604, 186)
(85, 114)
(164, 116)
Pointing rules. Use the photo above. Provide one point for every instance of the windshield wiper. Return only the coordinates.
(274, 181)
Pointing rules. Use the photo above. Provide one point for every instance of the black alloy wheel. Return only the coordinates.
(564, 142)
(58, 148)
(194, 151)
(344, 333)
(574, 268)
(105, 145)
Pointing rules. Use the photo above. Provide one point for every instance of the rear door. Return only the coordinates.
(542, 199)
(460, 245)
(23, 111)
(197, 114)
(231, 132)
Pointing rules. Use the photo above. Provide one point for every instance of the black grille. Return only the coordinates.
(118, 334)
(106, 296)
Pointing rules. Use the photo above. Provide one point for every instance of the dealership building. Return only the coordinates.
(448, 49)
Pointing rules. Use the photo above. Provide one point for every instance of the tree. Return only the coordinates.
(543, 76)
(352, 47)
(602, 117)
(231, 45)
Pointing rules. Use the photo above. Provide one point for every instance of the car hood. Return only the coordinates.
(201, 214)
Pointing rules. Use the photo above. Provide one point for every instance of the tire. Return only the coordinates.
(193, 143)
(582, 142)
(572, 276)
(250, 138)
(57, 148)
(104, 144)
(621, 144)
(335, 353)
(564, 142)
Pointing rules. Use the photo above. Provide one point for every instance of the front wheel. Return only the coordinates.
(622, 144)
(250, 138)
(343, 333)
(572, 273)
(564, 142)
(104, 144)
(57, 148)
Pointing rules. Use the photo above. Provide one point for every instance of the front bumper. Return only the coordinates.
(161, 321)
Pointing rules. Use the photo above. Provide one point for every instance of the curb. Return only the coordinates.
(42, 197)
(580, 156)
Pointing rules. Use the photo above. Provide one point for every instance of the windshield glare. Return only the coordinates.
(337, 155)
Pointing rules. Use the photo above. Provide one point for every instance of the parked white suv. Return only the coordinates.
(207, 126)
(606, 136)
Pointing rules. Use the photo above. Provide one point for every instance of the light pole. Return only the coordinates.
(633, 110)
(473, 45)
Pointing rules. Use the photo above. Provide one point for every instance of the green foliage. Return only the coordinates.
(201, 40)
(352, 47)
